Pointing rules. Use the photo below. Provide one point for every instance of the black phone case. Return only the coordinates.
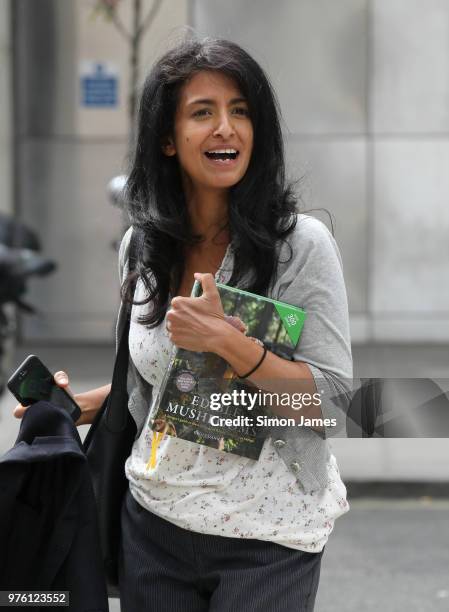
(32, 382)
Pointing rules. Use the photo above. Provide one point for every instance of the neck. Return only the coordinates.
(208, 211)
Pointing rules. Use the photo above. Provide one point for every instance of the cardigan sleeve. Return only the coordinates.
(313, 279)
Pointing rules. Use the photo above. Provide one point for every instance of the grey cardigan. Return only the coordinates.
(312, 279)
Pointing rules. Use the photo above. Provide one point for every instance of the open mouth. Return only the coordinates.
(222, 154)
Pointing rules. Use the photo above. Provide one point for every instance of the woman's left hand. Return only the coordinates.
(197, 324)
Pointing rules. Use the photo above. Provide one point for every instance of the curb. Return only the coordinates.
(397, 489)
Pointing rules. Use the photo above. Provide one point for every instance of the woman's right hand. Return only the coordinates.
(61, 379)
(89, 401)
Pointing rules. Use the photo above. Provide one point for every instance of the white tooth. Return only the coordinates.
(224, 151)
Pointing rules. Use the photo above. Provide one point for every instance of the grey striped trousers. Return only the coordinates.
(164, 568)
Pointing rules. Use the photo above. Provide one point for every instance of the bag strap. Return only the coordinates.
(116, 417)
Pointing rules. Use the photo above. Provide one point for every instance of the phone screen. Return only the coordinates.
(32, 382)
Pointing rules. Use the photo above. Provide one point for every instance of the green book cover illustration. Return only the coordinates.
(188, 404)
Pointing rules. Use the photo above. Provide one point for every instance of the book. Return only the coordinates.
(191, 401)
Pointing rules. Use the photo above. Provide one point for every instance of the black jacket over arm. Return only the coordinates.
(48, 523)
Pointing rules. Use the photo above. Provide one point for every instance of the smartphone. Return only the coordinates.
(32, 382)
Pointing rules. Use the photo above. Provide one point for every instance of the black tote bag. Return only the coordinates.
(107, 445)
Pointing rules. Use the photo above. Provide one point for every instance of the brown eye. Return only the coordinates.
(202, 112)
(241, 110)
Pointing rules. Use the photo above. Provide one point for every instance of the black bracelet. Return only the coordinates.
(258, 364)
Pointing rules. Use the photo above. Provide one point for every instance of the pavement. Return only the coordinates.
(387, 554)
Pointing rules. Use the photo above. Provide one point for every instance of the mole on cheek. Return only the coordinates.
(187, 139)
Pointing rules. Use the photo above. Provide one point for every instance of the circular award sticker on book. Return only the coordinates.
(185, 381)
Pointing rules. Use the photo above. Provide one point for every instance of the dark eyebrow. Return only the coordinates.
(210, 102)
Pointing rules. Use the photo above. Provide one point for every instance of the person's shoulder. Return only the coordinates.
(310, 257)
(310, 231)
(310, 236)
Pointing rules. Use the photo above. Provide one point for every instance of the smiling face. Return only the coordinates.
(213, 133)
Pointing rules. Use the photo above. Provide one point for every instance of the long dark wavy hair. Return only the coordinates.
(261, 205)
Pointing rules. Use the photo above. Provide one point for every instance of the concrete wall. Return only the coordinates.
(67, 155)
(364, 88)
(6, 152)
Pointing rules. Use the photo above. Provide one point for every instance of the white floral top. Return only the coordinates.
(211, 491)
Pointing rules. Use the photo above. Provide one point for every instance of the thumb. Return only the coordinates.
(62, 380)
(208, 284)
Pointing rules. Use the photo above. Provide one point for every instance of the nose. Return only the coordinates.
(224, 127)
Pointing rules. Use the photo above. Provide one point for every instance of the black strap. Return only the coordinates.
(116, 419)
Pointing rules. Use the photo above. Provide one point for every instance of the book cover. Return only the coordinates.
(189, 400)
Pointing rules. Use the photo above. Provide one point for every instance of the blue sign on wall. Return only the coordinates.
(99, 85)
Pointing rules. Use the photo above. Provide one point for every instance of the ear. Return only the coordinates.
(168, 147)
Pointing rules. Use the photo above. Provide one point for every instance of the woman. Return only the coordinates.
(205, 529)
